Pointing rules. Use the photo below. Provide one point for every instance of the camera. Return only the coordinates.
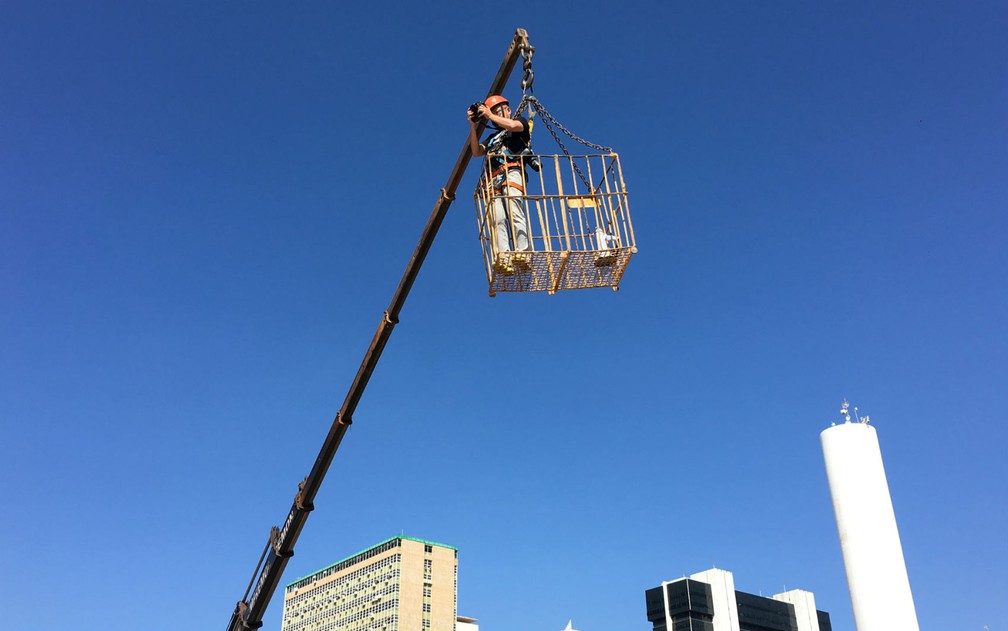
(530, 159)
(474, 111)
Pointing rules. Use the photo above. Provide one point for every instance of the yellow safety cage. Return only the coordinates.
(571, 210)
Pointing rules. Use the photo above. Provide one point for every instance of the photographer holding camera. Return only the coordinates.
(506, 145)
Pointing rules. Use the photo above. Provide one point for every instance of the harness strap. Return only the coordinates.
(504, 168)
(500, 187)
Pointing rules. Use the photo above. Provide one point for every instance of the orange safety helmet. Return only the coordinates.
(495, 100)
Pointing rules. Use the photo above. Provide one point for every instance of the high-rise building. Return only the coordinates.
(400, 583)
(870, 543)
(708, 601)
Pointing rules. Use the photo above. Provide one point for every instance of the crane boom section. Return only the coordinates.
(249, 612)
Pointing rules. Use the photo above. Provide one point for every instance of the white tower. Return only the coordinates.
(872, 554)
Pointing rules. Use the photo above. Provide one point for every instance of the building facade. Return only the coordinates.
(400, 583)
(708, 601)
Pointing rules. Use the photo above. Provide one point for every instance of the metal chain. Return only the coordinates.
(547, 116)
(528, 77)
(547, 119)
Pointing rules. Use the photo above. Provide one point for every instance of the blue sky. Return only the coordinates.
(206, 207)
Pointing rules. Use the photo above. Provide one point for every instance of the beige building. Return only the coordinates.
(400, 583)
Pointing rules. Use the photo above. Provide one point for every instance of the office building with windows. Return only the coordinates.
(708, 601)
(400, 583)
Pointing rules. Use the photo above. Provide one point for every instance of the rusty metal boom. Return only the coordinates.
(249, 611)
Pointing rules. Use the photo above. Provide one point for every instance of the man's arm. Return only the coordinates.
(474, 143)
(516, 125)
(507, 124)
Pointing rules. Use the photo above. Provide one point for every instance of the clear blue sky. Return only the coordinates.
(205, 209)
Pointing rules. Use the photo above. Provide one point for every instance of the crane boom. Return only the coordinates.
(249, 611)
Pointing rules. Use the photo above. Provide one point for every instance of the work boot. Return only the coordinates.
(605, 258)
(502, 264)
(522, 260)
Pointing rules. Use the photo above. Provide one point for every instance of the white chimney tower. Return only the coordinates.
(872, 554)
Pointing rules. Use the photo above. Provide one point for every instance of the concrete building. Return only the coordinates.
(870, 543)
(400, 583)
(708, 601)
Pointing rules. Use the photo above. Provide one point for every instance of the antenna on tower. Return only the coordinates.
(845, 413)
(864, 420)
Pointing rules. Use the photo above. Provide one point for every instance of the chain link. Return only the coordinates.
(529, 76)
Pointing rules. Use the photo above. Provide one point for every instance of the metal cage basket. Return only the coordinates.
(554, 222)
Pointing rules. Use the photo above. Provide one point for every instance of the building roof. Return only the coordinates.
(353, 558)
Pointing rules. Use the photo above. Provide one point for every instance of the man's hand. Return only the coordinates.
(482, 114)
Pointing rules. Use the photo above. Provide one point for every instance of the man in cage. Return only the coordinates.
(505, 146)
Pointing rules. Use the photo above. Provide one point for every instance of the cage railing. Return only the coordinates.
(563, 225)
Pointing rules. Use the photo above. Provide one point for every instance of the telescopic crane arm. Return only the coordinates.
(248, 613)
